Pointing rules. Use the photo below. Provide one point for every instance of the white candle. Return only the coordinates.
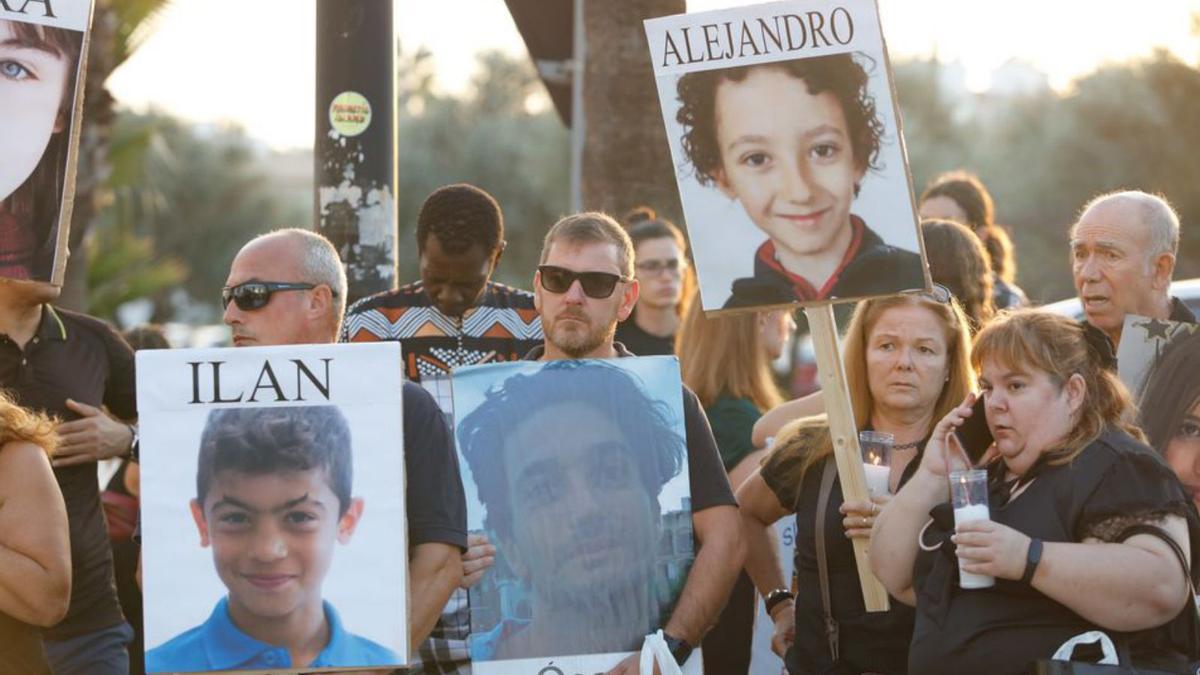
(877, 479)
(965, 514)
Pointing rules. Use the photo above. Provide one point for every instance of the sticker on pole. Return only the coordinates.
(350, 113)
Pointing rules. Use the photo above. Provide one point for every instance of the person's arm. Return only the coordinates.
(709, 582)
(759, 509)
(434, 572)
(712, 576)
(35, 550)
(1130, 586)
(769, 424)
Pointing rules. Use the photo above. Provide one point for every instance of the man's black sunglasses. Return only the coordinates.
(598, 285)
(254, 295)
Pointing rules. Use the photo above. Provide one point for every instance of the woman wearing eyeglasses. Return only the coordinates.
(662, 269)
(1085, 528)
(906, 367)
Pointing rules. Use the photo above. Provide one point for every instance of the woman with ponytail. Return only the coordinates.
(1089, 529)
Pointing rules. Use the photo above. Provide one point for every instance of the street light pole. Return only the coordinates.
(355, 145)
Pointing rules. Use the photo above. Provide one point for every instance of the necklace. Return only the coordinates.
(907, 446)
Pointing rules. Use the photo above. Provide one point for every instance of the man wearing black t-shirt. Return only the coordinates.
(309, 312)
(583, 287)
(71, 366)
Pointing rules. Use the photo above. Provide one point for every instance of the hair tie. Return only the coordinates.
(1100, 346)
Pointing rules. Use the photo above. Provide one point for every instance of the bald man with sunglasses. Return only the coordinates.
(582, 288)
(289, 287)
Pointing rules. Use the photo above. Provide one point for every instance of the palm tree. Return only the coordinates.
(626, 159)
(118, 28)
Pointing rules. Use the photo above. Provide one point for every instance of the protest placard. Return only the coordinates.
(787, 148)
(577, 471)
(43, 46)
(273, 500)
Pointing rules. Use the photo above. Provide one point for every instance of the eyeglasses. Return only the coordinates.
(598, 285)
(938, 293)
(651, 268)
(254, 295)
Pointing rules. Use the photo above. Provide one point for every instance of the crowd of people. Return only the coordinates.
(1093, 521)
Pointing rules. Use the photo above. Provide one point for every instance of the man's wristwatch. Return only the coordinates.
(680, 649)
(134, 443)
(775, 598)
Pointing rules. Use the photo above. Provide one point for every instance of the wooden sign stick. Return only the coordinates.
(844, 433)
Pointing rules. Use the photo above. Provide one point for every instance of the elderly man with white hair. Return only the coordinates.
(1123, 250)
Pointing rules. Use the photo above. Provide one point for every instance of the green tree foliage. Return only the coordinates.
(502, 135)
(1044, 154)
(184, 200)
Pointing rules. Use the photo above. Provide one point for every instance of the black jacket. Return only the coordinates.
(877, 269)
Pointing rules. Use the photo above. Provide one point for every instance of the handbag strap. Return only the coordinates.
(831, 625)
(1155, 531)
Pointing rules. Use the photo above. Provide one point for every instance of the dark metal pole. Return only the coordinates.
(355, 144)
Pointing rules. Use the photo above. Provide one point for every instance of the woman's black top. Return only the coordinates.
(1115, 482)
(875, 642)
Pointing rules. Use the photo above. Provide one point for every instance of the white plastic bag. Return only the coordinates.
(1067, 649)
(655, 651)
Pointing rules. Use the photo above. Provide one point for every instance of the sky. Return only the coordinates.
(257, 71)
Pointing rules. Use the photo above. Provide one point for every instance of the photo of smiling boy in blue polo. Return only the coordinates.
(273, 501)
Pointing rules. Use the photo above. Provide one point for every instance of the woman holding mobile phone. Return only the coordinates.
(1089, 528)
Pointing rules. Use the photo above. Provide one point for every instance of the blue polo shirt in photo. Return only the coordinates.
(217, 644)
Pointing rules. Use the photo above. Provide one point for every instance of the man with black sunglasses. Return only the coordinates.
(584, 285)
(289, 287)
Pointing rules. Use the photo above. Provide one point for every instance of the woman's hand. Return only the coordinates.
(986, 547)
(860, 515)
(784, 617)
(943, 453)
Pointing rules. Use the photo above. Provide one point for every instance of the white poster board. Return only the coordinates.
(578, 473)
(788, 153)
(43, 44)
(272, 493)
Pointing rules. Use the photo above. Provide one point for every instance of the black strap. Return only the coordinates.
(831, 625)
(1155, 531)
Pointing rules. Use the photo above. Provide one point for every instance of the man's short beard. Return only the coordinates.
(579, 346)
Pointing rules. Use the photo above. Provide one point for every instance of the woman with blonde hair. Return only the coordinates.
(35, 552)
(726, 360)
(906, 360)
(1089, 529)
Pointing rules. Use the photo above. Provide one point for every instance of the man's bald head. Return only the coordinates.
(1123, 247)
(289, 317)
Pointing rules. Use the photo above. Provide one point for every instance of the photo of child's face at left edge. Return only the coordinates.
(37, 76)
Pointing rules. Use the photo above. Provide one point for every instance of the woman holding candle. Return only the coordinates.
(906, 367)
(1084, 518)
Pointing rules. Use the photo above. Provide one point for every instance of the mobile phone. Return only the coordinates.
(973, 434)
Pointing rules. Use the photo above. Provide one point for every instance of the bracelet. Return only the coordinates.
(1031, 560)
(775, 598)
(680, 649)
